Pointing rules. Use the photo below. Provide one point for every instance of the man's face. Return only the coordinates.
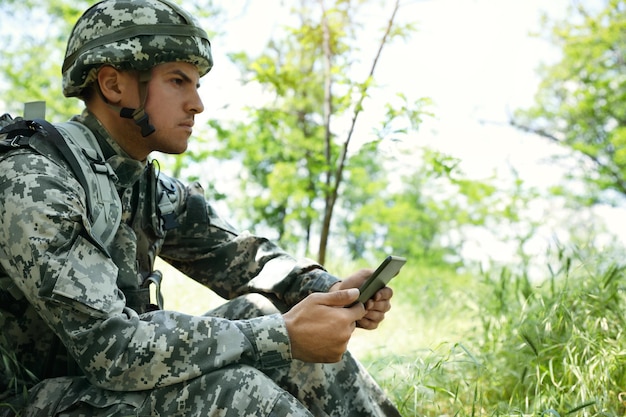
(171, 104)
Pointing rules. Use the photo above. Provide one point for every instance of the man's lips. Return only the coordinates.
(187, 125)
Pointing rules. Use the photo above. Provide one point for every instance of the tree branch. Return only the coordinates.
(333, 192)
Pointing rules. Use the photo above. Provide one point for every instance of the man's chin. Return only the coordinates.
(174, 149)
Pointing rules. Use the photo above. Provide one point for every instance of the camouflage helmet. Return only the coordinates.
(132, 34)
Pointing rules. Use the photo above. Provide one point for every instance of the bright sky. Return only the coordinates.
(474, 58)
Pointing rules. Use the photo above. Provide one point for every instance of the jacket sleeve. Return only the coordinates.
(208, 249)
(72, 285)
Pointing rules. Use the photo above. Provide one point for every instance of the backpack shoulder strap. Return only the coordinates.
(82, 151)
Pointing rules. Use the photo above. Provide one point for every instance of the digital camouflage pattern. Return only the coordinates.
(132, 34)
(76, 312)
(235, 361)
(295, 390)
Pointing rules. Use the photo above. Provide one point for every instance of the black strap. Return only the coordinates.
(16, 133)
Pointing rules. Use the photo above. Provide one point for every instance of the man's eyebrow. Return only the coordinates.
(184, 76)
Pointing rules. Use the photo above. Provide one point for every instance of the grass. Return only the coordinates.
(552, 348)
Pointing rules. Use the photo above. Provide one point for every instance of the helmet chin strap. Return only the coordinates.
(140, 117)
(139, 114)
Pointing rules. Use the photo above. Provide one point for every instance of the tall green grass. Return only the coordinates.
(551, 347)
(567, 344)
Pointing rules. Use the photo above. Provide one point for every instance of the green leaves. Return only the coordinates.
(296, 150)
(581, 102)
(31, 64)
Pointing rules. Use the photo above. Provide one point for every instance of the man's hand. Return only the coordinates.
(320, 326)
(375, 307)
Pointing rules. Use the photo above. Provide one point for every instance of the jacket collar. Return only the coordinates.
(127, 169)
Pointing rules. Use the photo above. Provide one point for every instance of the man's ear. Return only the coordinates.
(112, 84)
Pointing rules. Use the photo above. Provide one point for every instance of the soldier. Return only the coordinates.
(76, 309)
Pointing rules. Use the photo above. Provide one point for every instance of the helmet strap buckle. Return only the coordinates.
(139, 115)
(141, 119)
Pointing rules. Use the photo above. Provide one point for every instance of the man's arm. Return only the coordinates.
(208, 249)
(72, 284)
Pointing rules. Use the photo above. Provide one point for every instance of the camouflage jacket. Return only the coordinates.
(71, 289)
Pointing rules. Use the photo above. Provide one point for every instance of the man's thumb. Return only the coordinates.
(343, 297)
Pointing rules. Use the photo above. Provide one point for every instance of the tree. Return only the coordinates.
(293, 150)
(581, 102)
(32, 53)
(435, 207)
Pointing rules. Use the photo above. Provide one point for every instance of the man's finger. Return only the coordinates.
(340, 298)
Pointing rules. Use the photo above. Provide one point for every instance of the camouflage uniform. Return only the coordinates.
(76, 313)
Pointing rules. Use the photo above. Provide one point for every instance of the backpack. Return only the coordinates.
(77, 145)
(81, 150)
